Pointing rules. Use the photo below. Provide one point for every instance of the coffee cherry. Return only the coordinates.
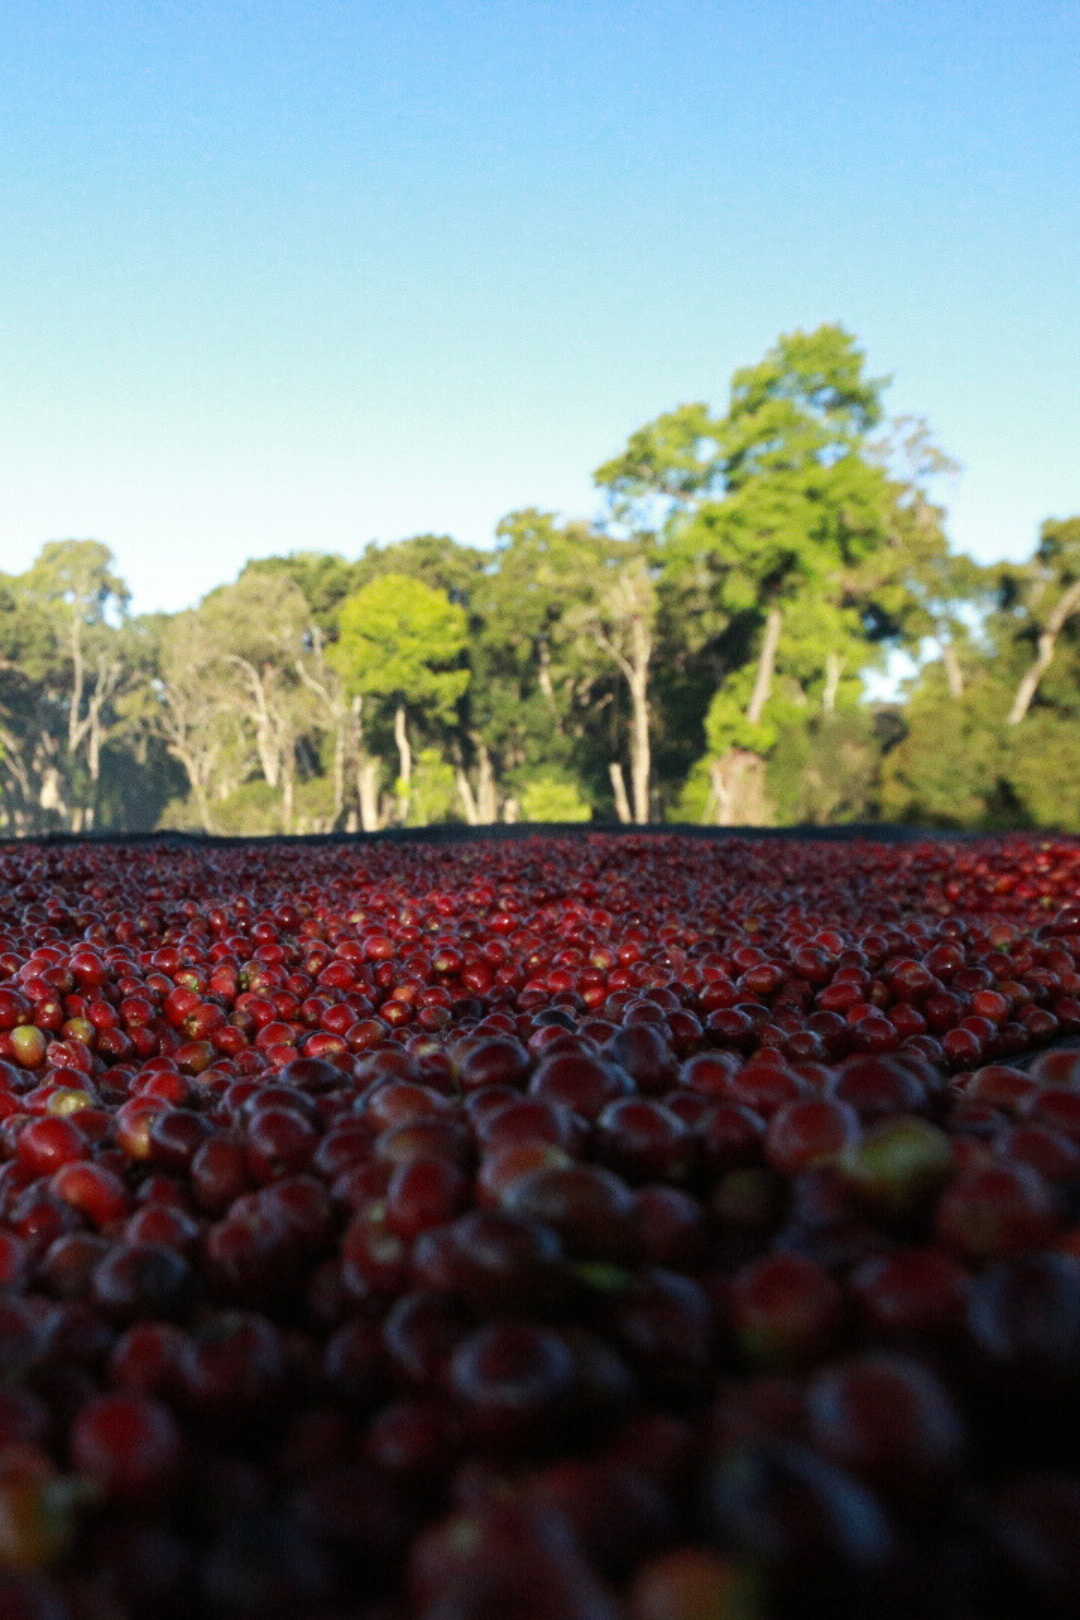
(46, 1144)
(591, 1209)
(691, 1583)
(897, 1168)
(915, 1295)
(497, 1261)
(786, 1311)
(889, 1420)
(127, 1444)
(512, 1381)
(995, 1210)
(808, 1131)
(582, 1083)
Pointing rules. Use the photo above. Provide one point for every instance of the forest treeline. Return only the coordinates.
(699, 653)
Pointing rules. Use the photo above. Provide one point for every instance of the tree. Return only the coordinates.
(325, 581)
(917, 591)
(402, 641)
(958, 785)
(802, 508)
(436, 560)
(619, 615)
(188, 705)
(1010, 707)
(260, 627)
(322, 578)
(1054, 598)
(529, 679)
(439, 561)
(668, 465)
(74, 603)
(702, 647)
(32, 752)
(806, 406)
(828, 769)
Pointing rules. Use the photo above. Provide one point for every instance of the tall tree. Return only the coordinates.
(260, 627)
(618, 613)
(802, 507)
(667, 467)
(527, 680)
(77, 602)
(402, 641)
(916, 592)
(1053, 599)
(33, 778)
(439, 561)
(188, 704)
(325, 581)
(1012, 723)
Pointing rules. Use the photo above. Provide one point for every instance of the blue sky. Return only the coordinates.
(278, 276)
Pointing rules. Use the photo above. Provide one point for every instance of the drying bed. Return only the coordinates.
(595, 1227)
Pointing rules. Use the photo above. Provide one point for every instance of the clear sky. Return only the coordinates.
(279, 275)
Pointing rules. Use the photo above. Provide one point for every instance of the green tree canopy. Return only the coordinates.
(807, 404)
(403, 641)
(398, 638)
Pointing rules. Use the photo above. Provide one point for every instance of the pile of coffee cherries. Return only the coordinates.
(613, 1227)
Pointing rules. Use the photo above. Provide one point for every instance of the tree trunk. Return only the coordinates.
(1045, 646)
(103, 689)
(93, 751)
(738, 780)
(954, 675)
(288, 785)
(350, 735)
(618, 783)
(640, 752)
(345, 724)
(739, 789)
(202, 797)
(76, 723)
(401, 741)
(465, 794)
(834, 665)
(51, 792)
(544, 674)
(79, 675)
(202, 803)
(266, 742)
(1029, 685)
(766, 666)
(487, 797)
(629, 646)
(722, 791)
(339, 772)
(367, 787)
(16, 794)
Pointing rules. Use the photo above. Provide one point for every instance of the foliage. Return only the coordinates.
(699, 651)
(695, 796)
(666, 463)
(827, 770)
(399, 638)
(433, 790)
(553, 798)
(1042, 772)
(947, 769)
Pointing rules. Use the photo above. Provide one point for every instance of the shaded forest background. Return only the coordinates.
(704, 652)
